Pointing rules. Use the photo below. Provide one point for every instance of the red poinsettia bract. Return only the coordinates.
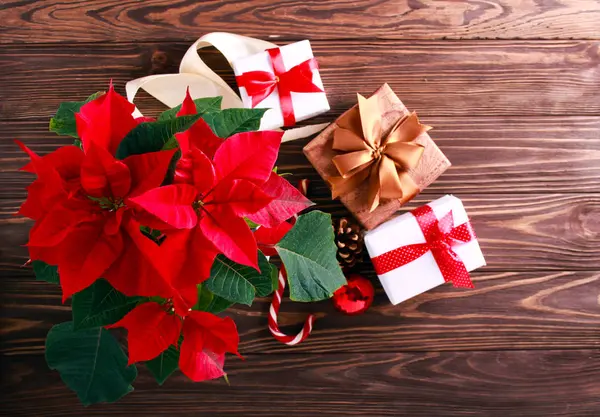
(105, 121)
(286, 199)
(212, 197)
(199, 136)
(80, 202)
(287, 202)
(268, 237)
(153, 328)
(219, 195)
(89, 209)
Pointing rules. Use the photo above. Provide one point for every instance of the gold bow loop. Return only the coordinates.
(368, 156)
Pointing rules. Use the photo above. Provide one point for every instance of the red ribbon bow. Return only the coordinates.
(260, 84)
(440, 236)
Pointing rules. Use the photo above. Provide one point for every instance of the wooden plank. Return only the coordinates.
(495, 154)
(516, 231)
(72, 21)
(527, 384)
(474, 78)
(532, 310)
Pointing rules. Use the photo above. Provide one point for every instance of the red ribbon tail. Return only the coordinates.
(258, 84)
(299, 78)
(287, 107)
(452, 268)
(260, 96)
(396, 258)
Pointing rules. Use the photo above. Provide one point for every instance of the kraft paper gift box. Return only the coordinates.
(432, 164)
(424, 272)
(305, 104)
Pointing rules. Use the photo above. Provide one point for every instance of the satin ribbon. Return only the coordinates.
(440, 236)
(203, 82)
(366, 155)
(261, 84)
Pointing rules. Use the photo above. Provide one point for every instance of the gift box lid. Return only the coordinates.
(305, 105)
(433, 163)
(423, 273)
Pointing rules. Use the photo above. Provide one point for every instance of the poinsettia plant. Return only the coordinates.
(158, 225)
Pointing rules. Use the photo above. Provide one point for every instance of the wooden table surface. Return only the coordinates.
(512, 88)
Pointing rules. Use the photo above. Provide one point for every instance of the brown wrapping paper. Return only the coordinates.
(432, 164)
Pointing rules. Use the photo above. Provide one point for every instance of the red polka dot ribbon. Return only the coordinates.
(440, 236)
(260, 84)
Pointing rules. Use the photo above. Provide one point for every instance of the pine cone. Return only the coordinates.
(349, 241)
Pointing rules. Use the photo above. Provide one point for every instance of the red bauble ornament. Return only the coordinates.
(355, 297)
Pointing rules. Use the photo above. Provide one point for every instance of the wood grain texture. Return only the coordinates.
(494, 154)
(533, 310)
(493, 384)
(462, 78)
(512, 90)
(517, 231)
(152, 20)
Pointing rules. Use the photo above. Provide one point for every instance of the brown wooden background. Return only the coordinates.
(513, 90)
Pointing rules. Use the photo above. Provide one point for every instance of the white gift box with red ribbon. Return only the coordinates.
(292, 58)
(420, 250)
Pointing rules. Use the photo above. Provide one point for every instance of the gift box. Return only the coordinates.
(285, 80)
(420, 250)
(417, 170)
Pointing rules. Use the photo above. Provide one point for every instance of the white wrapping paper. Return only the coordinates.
(305, 105)
(423, 273)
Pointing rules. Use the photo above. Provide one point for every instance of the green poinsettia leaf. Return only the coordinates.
(203, 105)
(152, 136)
(45, 272)
(308, 252)
(209, 302)
(239, 283)
(262, 282)
(274, 277)
(231, 121)
(164, 364)
(171, 144)
(170, 175)
(63, 122)
(205, 297)
(100, 305)
(153, 234)
(251, 224)
(218, 305)
(90, 362)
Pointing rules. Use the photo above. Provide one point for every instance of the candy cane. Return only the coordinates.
(276, 303)
(274, 311)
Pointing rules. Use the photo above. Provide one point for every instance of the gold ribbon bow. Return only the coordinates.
(366, 155)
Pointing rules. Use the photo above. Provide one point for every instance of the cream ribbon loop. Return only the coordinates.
(203, 82)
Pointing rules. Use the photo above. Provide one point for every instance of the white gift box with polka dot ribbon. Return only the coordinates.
(423, 273)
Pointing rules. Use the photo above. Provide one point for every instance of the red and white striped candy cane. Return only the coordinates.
(274, 311)
(276, 303)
